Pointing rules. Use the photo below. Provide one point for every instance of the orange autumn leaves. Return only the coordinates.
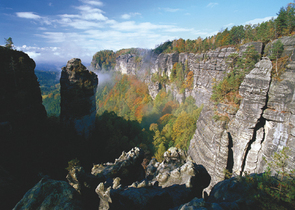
(128, 98)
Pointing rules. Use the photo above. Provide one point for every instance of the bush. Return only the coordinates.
(275, 192)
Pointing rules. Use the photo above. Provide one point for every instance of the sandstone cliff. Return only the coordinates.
(207, 67)
(263, 124)
(78, 88)
(21, 102)
(21, 118)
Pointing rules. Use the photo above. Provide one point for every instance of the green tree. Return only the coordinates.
(281, 22)
(9, 43)
(277, 192)
(276, 52)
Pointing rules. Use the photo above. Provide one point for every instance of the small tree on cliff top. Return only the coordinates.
(8, 43)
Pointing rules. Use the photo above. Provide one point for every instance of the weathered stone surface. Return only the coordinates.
(137, 63)
(210, 145)
(174, 181)
(144, 198)
(263, 125)
(257, 45)
(78, 88)
(50, 194)
(179, 169)
(127, 167)
(207, 67)
(280, 111)
(244, 128)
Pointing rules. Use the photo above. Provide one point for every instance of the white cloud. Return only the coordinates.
(167, 9)
(126, 16)
(211, 4)
(175, 29)
(132, 26)
(31, 15)
(259, 20)
(129, 15)
(87, 29)
(91, 2)
(28, 15)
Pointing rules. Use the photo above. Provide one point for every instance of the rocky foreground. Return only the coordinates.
(175, 183)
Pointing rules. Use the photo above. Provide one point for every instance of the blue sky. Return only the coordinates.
(54, 31)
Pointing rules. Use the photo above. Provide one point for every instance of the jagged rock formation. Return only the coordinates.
(262, 125)
(279, 114)
(246, 129)
(176, 180)
(50, 194)
(143, 197)
(213, 144)
(78, 88)
(128, 167)
(177, 168)
(21, 102)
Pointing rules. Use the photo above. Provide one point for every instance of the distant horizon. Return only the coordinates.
(53, 32)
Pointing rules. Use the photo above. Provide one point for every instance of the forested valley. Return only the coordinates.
(126, 114)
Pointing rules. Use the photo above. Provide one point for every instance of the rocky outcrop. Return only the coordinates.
(22, 117)
(210, 145)
(217, 145)
(136, 63)
(143, 197)
(246, 129)
(127, 167)
(78, 88)
(50, 194)
(174, 181)
(178, 168)
(261, 126)
(21, 102)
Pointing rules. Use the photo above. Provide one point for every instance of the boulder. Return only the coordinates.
(50, 194)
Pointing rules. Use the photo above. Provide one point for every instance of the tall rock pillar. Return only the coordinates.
(77, 90)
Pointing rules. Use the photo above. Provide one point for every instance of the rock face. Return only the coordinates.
(50, 194)
(78, 88)
(137, 63)
(262, 125)
(206, 68)
(246, 130)
(22, 117)
(20, 95)
(217, 147)
(210, 145)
